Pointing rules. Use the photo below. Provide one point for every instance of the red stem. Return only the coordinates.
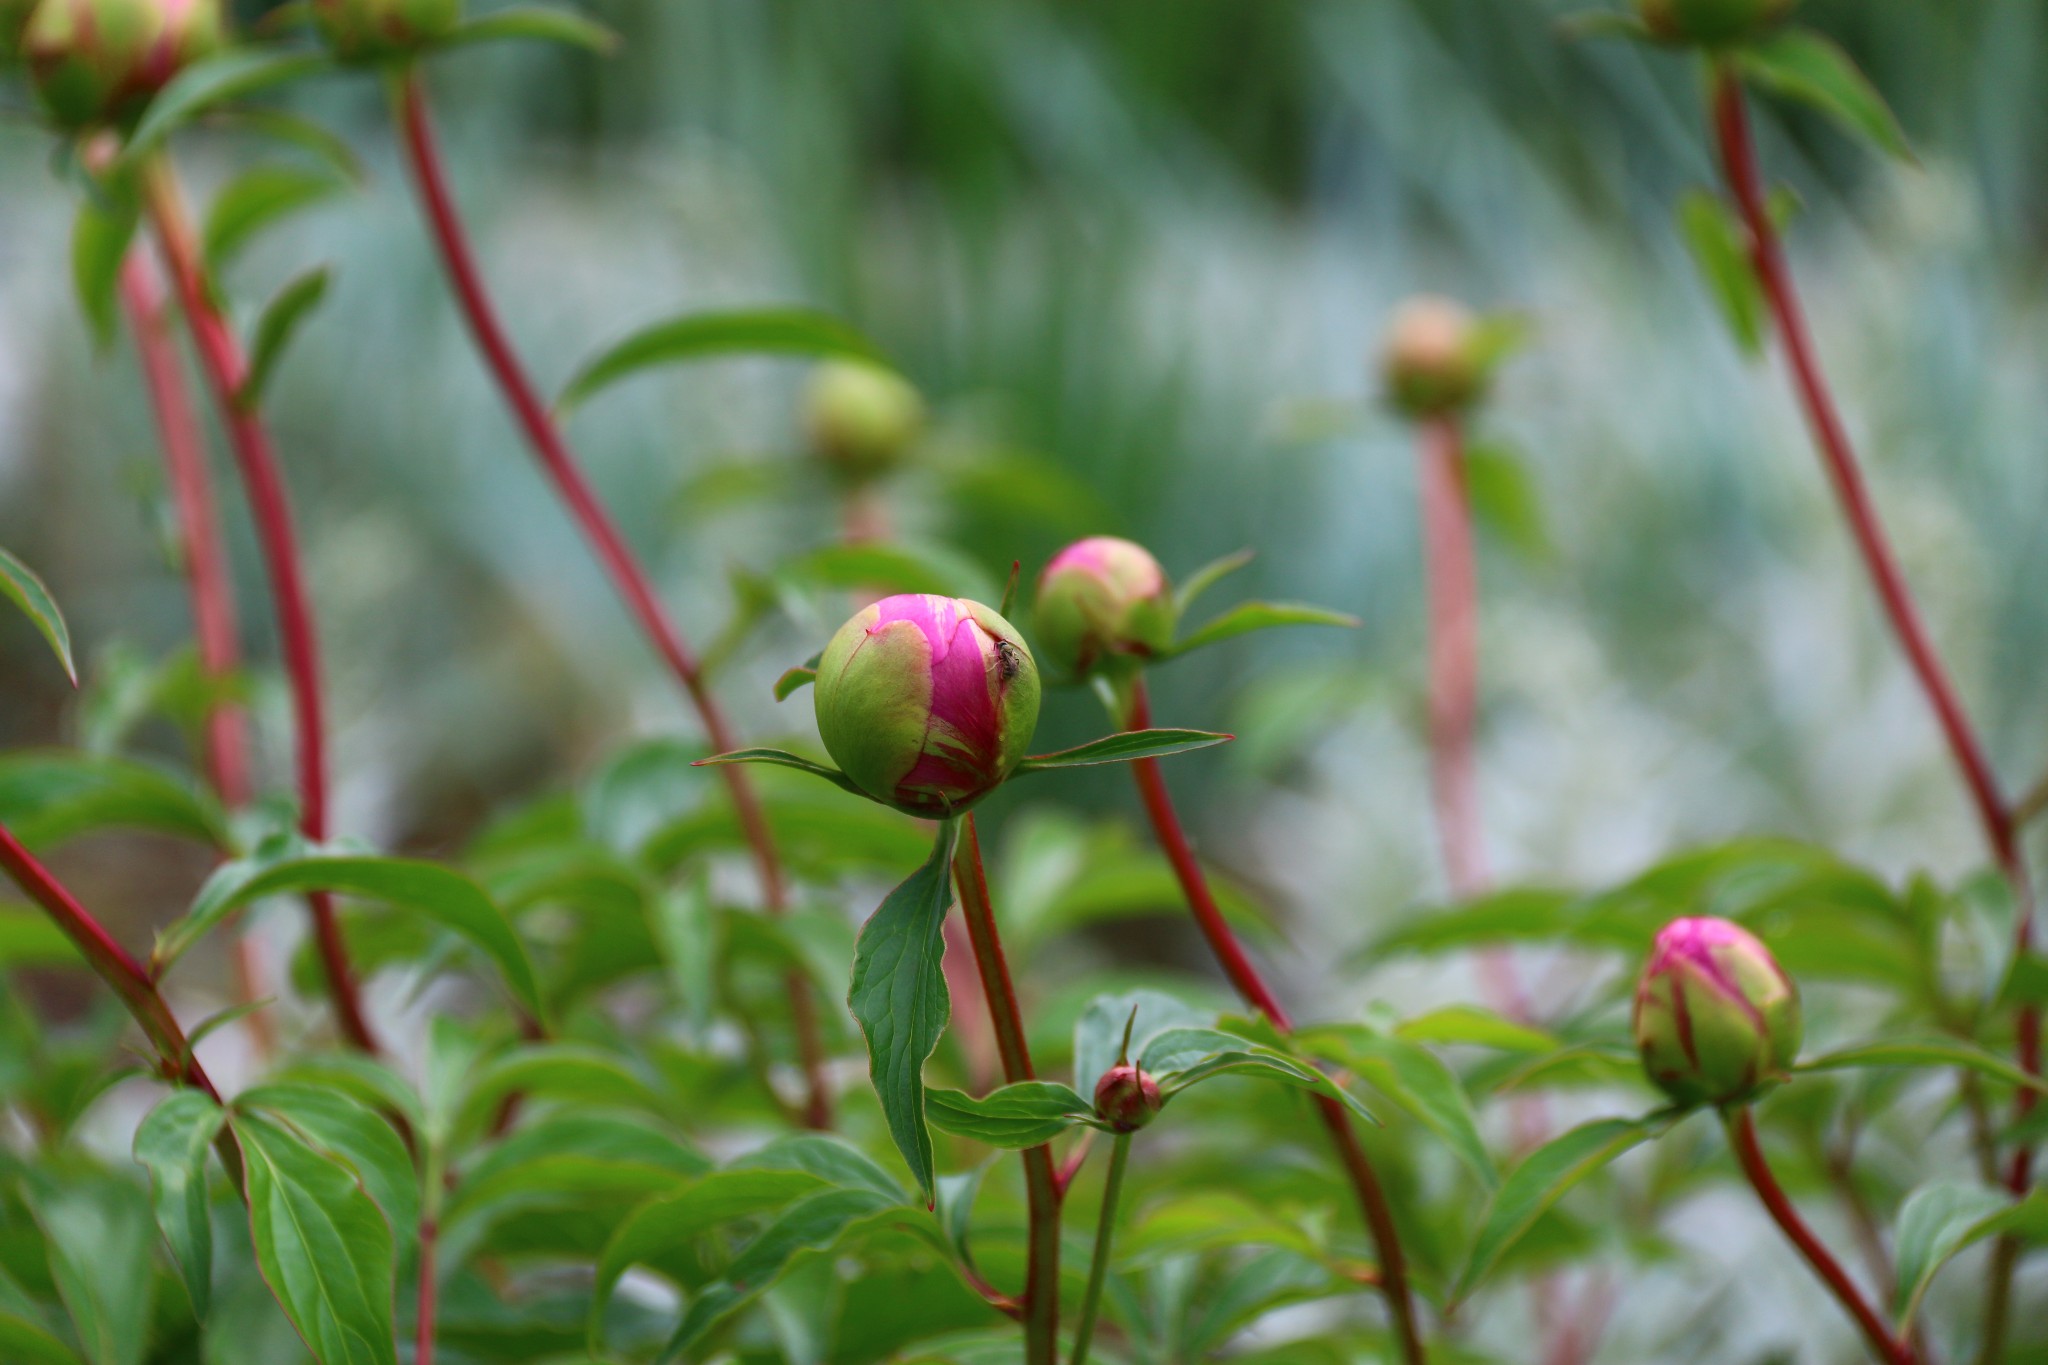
(1194, 885)
(1453, 591)
(1041, 1299)
(1749, 1154)
(607, 543)
(220, 353)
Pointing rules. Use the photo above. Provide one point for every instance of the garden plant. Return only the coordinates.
(749, 1047)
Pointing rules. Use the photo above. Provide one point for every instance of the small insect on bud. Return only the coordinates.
(1102, 602)
(861, 418)
(101, 61)
(1435, 361)
(1713, 22)
(381, 30)
(927, 703)
(1716, 1019)
(1126, 1098)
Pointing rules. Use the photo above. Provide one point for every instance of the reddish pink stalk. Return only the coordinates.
(607, 543)
(1041, 1298)
(1749, 1154)
(220, 353)
(1230, 954)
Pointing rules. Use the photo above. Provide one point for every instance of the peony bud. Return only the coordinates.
(1433, 361)
(1710, 21)
(1716, 1018)
(378, 30)
(100, 61)
(927, 703)
(861, 418)
(1101, 602)
(1126, 1098)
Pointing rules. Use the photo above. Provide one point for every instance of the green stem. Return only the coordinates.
(1105, 1231)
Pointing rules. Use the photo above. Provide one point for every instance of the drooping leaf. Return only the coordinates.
(1505, 502)
(539, 23)
(256, 199)
(1027, 1114)
(1925, 1052)
(1247, 617)
(793, 681)
(899, 998)
(322, 1245)
(1207, 577)
(1720, 248)
(1183, 1057)
(1803, 65)
(19, 585)
(172, 1145)
(782, 758)
(1545, 1176)
(348, 1131)
(235, 74)
(281, 319)
(99, 245)
(99, 1237)
(48, 796)
(1411, 1076)
(1124, 748)
(700, 336)
(1941, 1219)
(1099, 1032)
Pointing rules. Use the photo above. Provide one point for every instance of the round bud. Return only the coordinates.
(380, 30)
(1713, 22)
(1716, 1018)
(927, 703)
(861, 418)
(1432, 362)
(101, 61)
(1102, 602)
(1126, 1098)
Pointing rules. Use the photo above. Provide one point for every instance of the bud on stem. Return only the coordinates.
(1716, 1019)
(101, 61)
(1103, 604)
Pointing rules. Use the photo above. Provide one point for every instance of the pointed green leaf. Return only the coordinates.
(782, 758)
(100, 1239)
(48, 796)
(701, 336)
(1720, 248)
(1247, 617)
(172, 1143)
(19, 585)
(899, 997)
(322, 1245)
(1505, 502)
(1182, 1057)
(1922, 1052)
(256, 199)
(793, 681)
(1941, 1219)
(99, 246)
(1207, 577)
(1802, 65)
(358, 1137)
(1099, 1032)
(1411, 1076)
(274, 330)
(540, 23)
(235, 74)
(1124, 748)
(1027, 1114)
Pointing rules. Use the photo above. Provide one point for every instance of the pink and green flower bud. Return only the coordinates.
(927, 703)
(1716, 1019)
(101, 61)
(1436, 359)
(1126, 1098)
(381, 30)
(861, 418)
(1103, 603)
(1712, 22)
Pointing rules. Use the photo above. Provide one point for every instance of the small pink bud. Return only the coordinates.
(1126, 1098)
(1102, 602)
(1434, 361)
(1716, 1019)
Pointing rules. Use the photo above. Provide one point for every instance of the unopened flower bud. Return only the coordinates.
(101, 61)
(1102, 602)
(927, 703)
(1716, 1018)
(1711, 22)
(1433, 362)
(861, 418)
(377, 30)
(1126, 1098)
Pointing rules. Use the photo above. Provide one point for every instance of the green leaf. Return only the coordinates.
(783, 759)
(1183, 1057)
(1099, 1032)
(1535, 1186)
(1027, 1114)
(700, 336)
(1207, 577)
(1505, 502)
(322, 1245)
(275, 329)
(235, 74)
(256, 199)
(1720, 248)
(100, 1237)
(892, 567)
(541, 23)
(1802, 65)
(1124, 748)
(48, 796)
(171, 1144)
(1940, 1219)
(1475, 1027)
(1411, 1076)
(329, 147)
(899, 998)
(99, 246)
(793, 681)
(28, 1342)
(567, 1072)
(28, 939)
(1924, 1052)
(443, 895)
(19, 585)
(353, 1134)
(816, 1224)
(1247, 617)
